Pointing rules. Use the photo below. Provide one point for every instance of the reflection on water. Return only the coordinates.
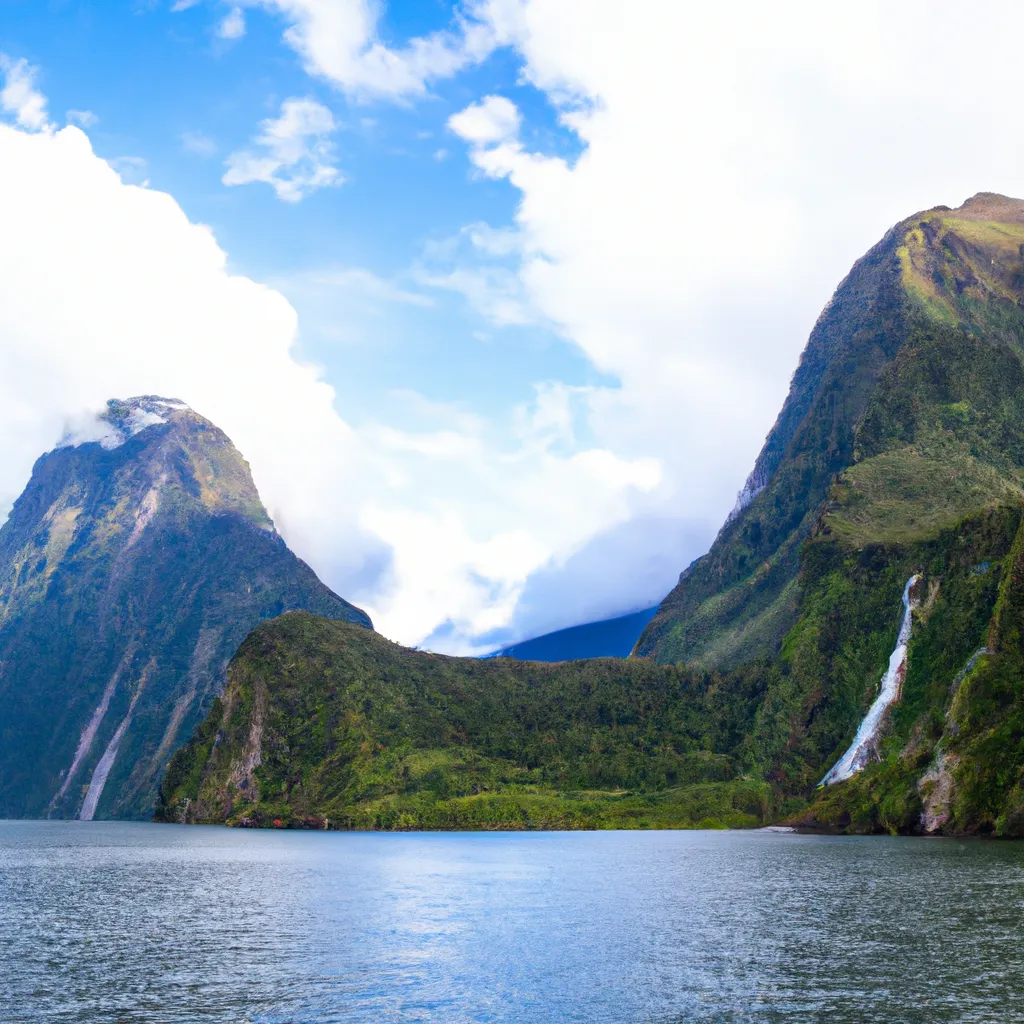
(144, 923)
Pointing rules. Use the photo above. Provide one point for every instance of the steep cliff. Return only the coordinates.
(131, 567)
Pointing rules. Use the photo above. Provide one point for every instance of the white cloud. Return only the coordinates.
(441, 519)
(493, 119)
(295, 155)
(133, 170)
(198, 144)
(338, 41)
(20, 97)
(83, 118)
(233, 25)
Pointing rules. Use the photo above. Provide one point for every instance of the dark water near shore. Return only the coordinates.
(141, 923)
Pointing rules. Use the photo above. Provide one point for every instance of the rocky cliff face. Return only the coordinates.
(132, 566)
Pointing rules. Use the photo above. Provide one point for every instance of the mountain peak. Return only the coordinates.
(992, 206)
(122, 419)
(129, 416)
(172, 446)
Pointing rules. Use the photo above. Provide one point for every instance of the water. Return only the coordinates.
(142, 923)
(864, 748)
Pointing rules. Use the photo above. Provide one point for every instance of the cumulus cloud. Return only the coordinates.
(19, 96)
(132, 169)
(338, 41)
(441, 519)
(293, 153)
(232, 26)
(493, 119)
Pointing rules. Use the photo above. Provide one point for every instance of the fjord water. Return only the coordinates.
(142, 923)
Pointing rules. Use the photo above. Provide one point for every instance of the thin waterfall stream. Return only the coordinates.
(865, 744)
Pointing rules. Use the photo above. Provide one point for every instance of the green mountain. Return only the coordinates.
(326, 724)
(130, 569)
(899, 451)
(908, 393)
(858, 618)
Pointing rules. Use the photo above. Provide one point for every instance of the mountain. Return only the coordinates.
(899, 453)
(903, 416)
(848, 655)
(608, 638)
(131, 567)
(324, 724)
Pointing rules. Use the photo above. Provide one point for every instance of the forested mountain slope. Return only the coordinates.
(904, 415)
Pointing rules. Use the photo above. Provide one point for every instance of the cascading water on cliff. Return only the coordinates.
(865, 744)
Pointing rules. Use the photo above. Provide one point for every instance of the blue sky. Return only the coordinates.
(499, 298)
(170, 94)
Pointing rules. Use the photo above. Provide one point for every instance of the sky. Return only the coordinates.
(498, 298)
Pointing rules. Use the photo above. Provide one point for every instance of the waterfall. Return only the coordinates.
(865, 744)
(100, 773)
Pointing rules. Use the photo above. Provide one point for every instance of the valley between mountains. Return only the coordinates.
(161, 648)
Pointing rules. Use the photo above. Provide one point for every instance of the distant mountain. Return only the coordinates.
(608, 638)
(130, 569)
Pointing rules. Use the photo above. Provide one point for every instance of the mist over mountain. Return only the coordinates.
(137, 559)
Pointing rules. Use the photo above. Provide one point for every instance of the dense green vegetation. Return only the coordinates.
(327, 725)
(955, 748)
(366, 734)
(128, 577)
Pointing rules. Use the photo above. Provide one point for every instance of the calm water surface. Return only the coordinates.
(142, 923)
